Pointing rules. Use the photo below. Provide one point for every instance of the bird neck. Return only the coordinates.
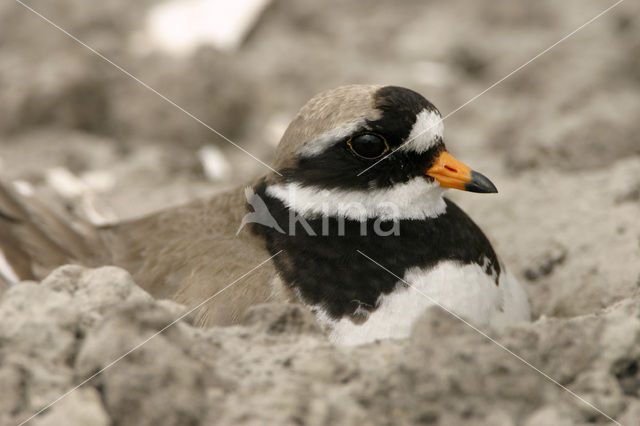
(320, 257)
(416, 199)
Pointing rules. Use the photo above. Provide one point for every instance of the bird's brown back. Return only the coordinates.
(186, 253)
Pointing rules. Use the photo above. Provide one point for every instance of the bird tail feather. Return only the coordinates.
(34, 239)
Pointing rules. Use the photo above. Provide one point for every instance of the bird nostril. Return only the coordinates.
(450, 168)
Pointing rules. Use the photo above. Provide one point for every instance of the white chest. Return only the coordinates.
(465, 290)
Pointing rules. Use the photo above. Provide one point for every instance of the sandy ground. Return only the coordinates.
(560, 139)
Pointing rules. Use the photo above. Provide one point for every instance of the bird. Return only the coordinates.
(352, 223)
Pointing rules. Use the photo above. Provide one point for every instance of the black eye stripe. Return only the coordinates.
(369, 146)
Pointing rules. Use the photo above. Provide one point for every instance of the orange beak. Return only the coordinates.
(451, 173)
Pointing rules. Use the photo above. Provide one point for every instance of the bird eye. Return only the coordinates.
(368, 146)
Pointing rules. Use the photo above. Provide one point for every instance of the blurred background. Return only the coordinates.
(560, 138)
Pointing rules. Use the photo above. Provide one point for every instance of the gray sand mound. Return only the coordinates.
(278, 368)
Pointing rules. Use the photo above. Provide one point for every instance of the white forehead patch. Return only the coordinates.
(426, 132)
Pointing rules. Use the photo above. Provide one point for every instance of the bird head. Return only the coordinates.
(371, 142)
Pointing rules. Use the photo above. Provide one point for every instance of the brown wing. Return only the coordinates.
(187, 253)
(190, 253)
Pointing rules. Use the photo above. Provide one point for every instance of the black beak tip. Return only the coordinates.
(480, 183)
